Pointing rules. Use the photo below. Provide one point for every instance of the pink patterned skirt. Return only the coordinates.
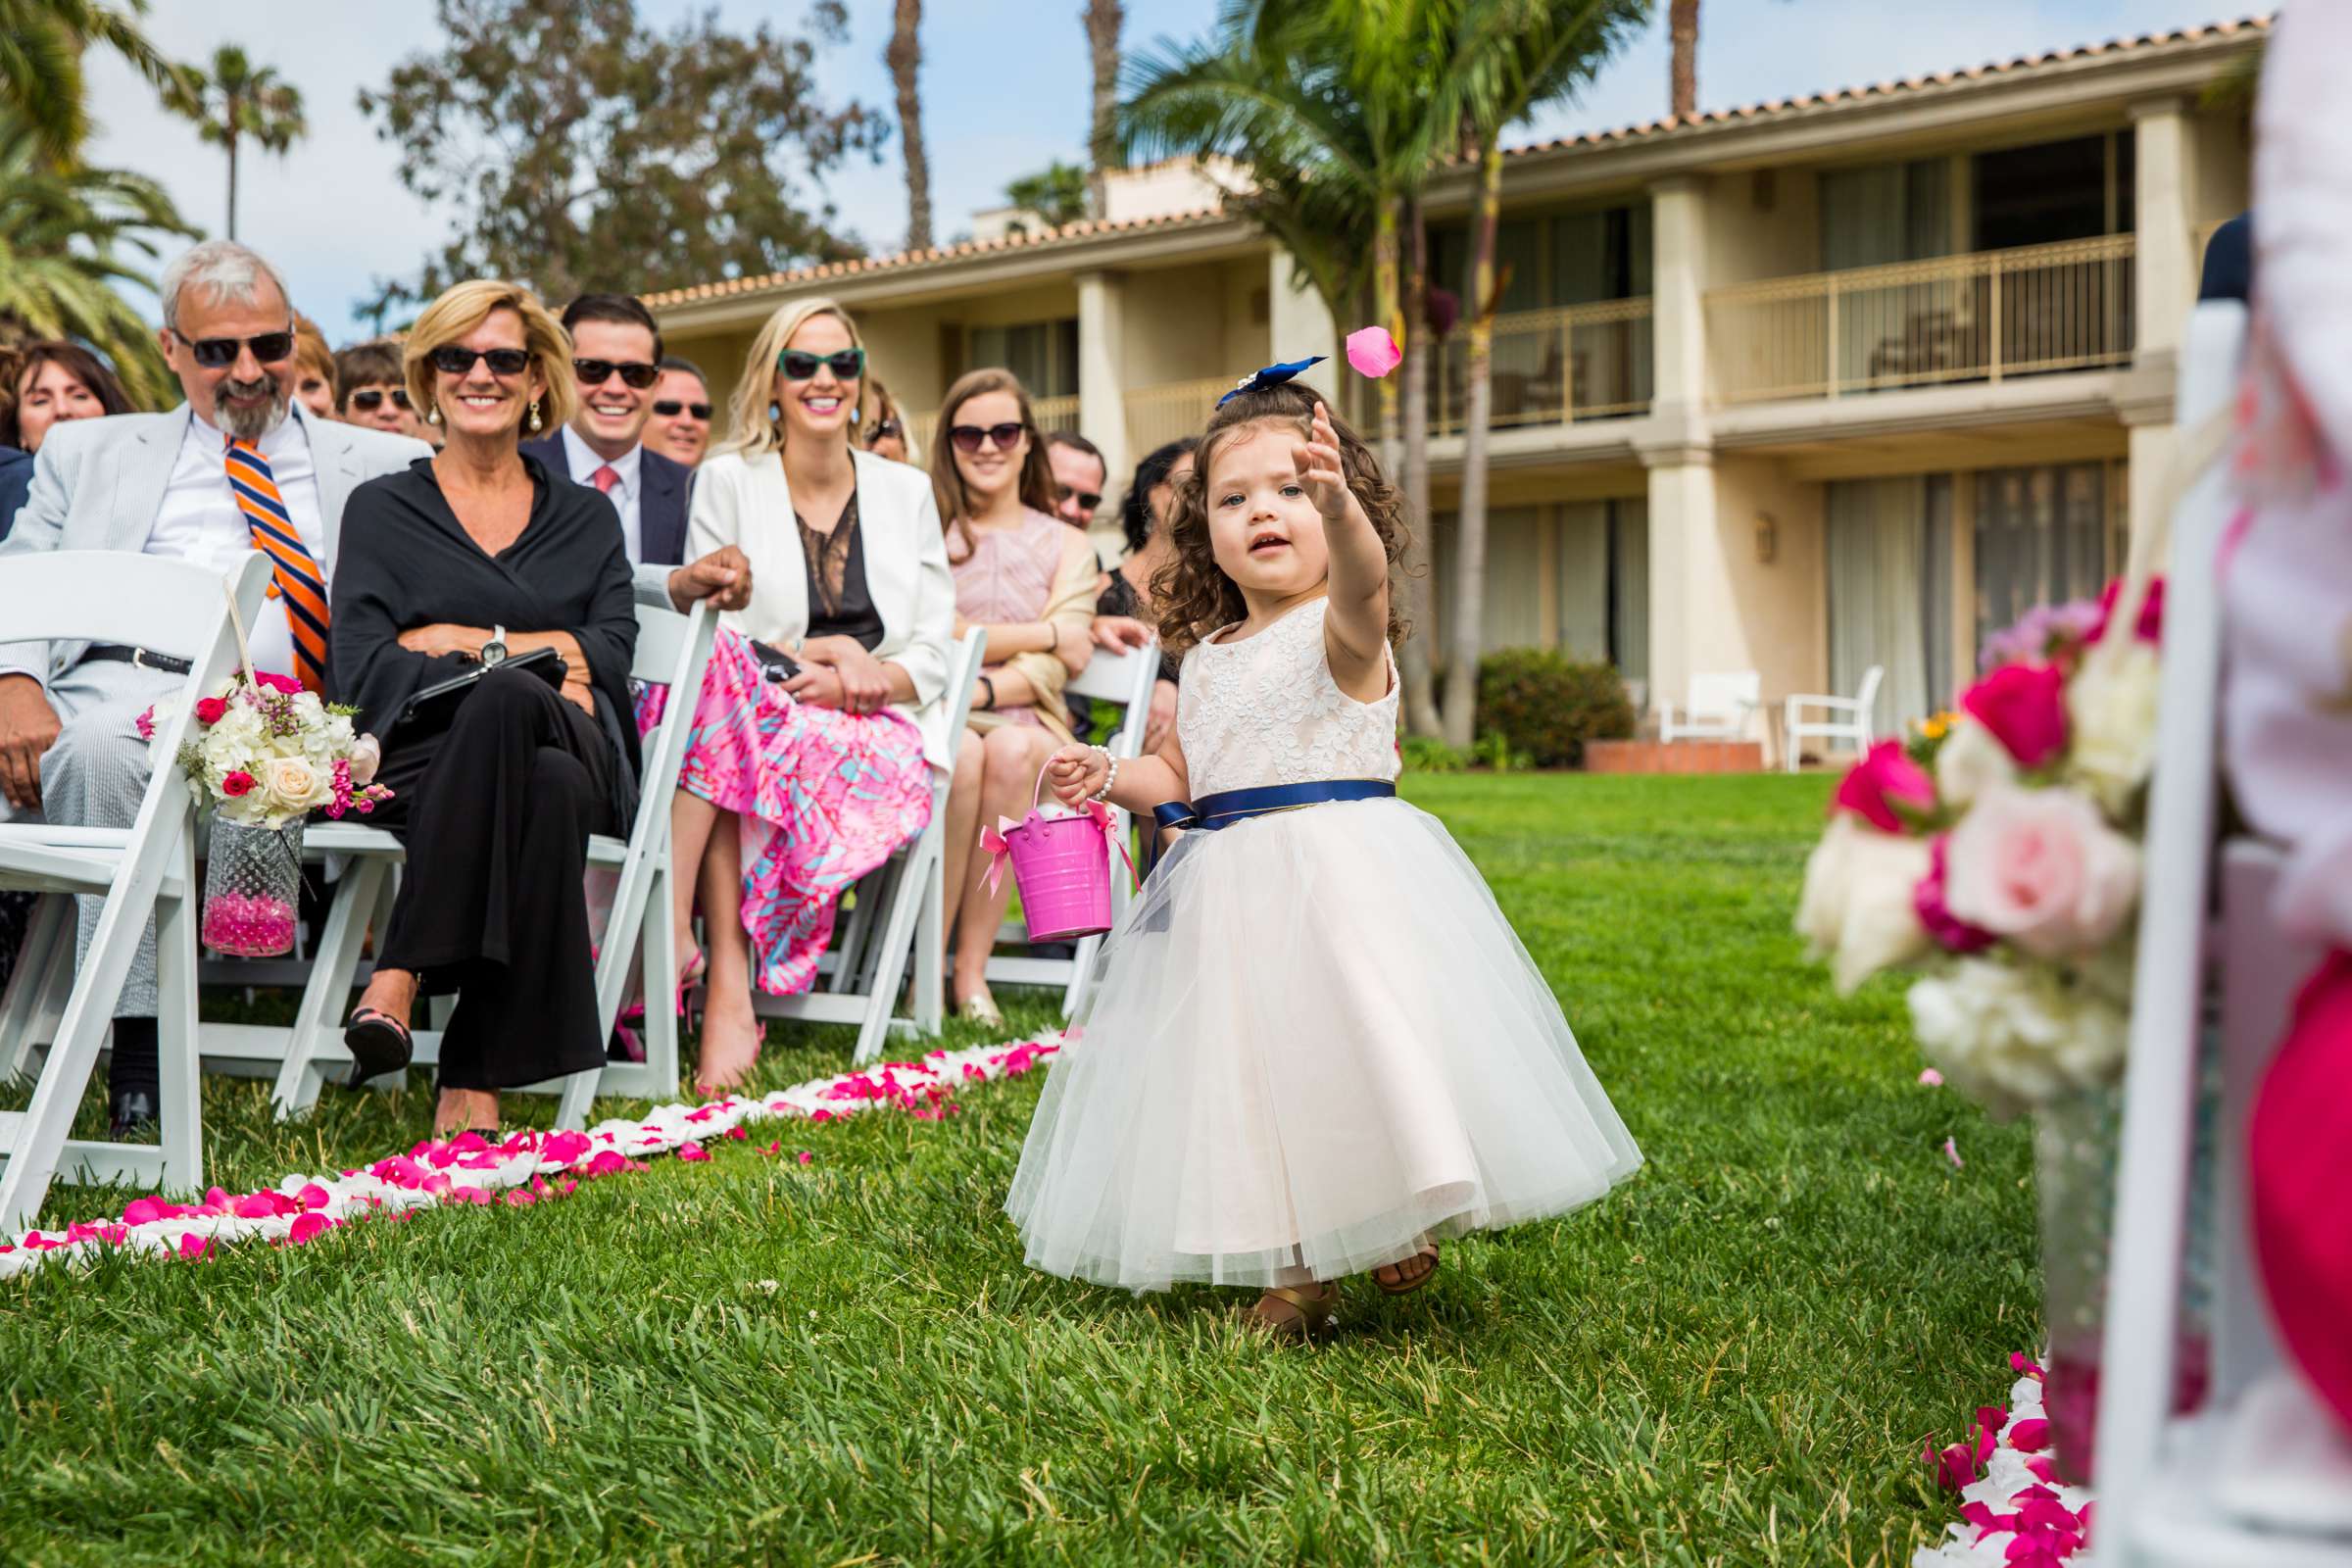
(824, 796)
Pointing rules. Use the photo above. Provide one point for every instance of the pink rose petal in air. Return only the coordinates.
(1931, 1077)
(1373, 352)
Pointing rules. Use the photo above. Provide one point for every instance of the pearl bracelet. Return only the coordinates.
(1109, 777)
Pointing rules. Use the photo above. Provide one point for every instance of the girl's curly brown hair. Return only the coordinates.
(1191, 596)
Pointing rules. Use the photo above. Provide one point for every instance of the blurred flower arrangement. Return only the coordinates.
(1995, 852)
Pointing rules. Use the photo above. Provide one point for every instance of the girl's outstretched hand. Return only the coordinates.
(1320, 470)
(1076, 772)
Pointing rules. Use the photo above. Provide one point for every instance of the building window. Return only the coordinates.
(1890, 592)
(1573, 575)
(2041, 538)
(1044, 354)
(2055, 190)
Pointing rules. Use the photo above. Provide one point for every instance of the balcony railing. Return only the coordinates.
(1551, 367)
(1053, 414)
(2031, 311)
(1158, 414)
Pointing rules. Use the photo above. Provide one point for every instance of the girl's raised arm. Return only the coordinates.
(1355, 629)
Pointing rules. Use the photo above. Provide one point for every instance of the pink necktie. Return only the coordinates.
(605, 478)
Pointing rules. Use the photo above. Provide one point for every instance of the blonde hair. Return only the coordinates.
(461, 309)
(751, 430)
(311, 352)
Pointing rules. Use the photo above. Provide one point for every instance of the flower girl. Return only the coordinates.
(1317, 1047)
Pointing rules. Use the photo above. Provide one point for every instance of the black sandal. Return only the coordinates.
(378, 1044)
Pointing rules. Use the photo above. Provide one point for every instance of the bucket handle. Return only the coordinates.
(993, 844)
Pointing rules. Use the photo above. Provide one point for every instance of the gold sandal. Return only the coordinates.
(1313, 1311)
(1406, 1284)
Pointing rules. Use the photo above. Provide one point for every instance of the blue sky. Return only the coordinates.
(1004, 88)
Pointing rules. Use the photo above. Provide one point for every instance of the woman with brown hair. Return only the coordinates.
(1028, 580)
(50, 381)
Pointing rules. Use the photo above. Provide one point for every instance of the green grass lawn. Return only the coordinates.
(1733, 1360)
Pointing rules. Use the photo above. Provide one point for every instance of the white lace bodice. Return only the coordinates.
(1265, 710)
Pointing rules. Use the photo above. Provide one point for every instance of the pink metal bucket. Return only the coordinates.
(1062, 866)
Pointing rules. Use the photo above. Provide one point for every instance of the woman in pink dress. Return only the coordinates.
(1029, 580)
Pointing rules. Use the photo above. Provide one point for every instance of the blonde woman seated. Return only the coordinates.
(1029, 580)
(817, 731)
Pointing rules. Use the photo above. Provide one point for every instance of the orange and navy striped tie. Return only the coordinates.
(296, 582)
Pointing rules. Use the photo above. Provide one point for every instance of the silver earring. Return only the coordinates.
(534, 415)
(432, 416)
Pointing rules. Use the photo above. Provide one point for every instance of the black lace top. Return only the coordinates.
(839, 605)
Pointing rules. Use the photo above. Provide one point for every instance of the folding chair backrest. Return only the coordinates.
(1725, 694)
(1111, 676)
(1872, 679)
(154, 602)
(662, 640)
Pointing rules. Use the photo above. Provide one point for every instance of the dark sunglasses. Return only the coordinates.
(451, 359)
(636, 372)
(1088, 499)
(884, 431)
(846, 365)
(373, 399)
(214, 353)
(667, 409)
(967, 437)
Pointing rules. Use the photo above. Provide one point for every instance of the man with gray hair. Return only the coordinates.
(236, 467)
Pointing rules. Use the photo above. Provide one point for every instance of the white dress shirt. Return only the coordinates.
(584, 463)
(200, 520)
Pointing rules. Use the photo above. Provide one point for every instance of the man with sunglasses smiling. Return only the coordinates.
(680, 429)
(238, 467)
(616, 358)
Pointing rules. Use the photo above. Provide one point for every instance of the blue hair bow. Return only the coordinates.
(1273, 375)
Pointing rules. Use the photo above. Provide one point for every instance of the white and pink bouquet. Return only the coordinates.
(268, 753)
(1997, 855)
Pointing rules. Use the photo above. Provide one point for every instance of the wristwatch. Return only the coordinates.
(494, 652)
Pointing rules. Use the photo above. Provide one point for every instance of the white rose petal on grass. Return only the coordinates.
(1858, 907)
(2042, 868)
(2111, 709)
(1971, 761)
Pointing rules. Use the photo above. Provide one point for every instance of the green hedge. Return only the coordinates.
(1545, 706)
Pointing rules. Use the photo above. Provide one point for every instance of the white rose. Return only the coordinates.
(291, 783)
(2112, 710)
(2012, 1037)
(1971, 761)
(1858, 907)
(2043, 868)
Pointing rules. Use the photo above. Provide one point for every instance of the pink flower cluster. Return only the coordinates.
(249, 925)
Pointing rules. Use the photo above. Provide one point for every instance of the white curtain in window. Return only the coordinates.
(2041, 539)
(1583, 579)
(1629, 587)
(1877, 569)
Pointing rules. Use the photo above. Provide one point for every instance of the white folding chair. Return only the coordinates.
(147, 869)
(898, 910)
(1848, 718)
(1125, 678)
(1717, 711)
(672, 651)
(2255, 1476)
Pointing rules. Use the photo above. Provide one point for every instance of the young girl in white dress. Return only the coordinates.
(1317, 1047)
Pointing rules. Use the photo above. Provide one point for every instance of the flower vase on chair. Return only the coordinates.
(251, 889)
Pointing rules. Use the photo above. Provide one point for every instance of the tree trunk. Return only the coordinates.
(1420, 680)
(1466, 636)
(1102, 19)
(903, 57)
(1682, 25)
(232, 176)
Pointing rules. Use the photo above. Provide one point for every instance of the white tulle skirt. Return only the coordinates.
(1314, 1041)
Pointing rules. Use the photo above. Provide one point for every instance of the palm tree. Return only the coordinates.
(1057, 193)
(61, 232)
(1681, 68)
(1103, 19)
(235, 101)
(42, 47)
(1518, 55)
(905, 57)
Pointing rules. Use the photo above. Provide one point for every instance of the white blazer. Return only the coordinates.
(748, 504)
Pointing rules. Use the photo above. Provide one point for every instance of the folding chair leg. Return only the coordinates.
(931, 947)
(181, 1109)
(25, 1000)
(898, 935)
(857, 937)
(358, 896)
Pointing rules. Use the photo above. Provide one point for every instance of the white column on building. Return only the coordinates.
(1102, 363)
(2163, 288)
(1683, 535)
(1298, 325)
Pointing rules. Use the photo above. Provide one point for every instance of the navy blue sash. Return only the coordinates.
(1229, 807)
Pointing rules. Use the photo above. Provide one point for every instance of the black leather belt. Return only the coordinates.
(117, 654)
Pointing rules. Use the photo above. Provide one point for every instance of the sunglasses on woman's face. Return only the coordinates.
(846, 365)
(967, 437)
(451, 359)
(884, 431)
(373, 399)
(218, 353)
(635, 372)
(668, 409)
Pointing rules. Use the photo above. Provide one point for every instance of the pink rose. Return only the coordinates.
(209, 710)
(2023, 706)
(1929, 900)
(2150, 626)
(278, 683)
(1373, 351)
(145, 723)
(2042, 868)
(1882, 779)
(239, 782)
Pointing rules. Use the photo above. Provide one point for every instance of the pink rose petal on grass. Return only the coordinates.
(308, 1227)
(2023, 1365)
(1373, 351)
(467, 1195)
(1954, 1465)
(564, 1146)
(1931, 1077)
(806, 1159)
(738, 1134)
(605, 1162)
(312, 1196)
(1951, 1152)
(2030, 1437)
(254, 1206)
(193, 1246)
(692, 1151)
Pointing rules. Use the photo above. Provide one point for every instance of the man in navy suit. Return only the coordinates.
(16, 482)
(616, 356)
(2229, 261)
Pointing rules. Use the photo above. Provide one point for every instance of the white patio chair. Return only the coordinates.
(896, 913)
(2256, 1476)
(672, 651)
(149, 868)
(1718, 708)
(1125, 678)
(1848, 718)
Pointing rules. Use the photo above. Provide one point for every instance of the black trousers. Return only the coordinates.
(496, 812)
